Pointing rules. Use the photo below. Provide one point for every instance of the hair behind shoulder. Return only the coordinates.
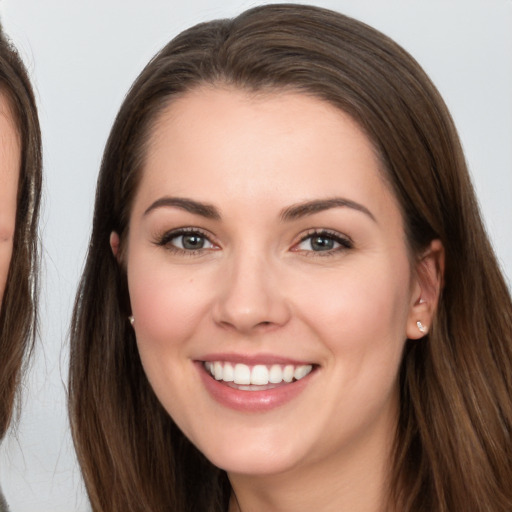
(453, 446)
(18, 315)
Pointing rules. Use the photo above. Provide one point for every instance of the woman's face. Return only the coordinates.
(9, 171)
(265, 247)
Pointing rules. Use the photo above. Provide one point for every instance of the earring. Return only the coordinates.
(421, 327)
(131, 319)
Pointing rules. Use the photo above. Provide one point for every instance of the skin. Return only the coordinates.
(258, 287)
(9, 172)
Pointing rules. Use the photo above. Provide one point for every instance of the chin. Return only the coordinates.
(260, 455)
(252, 464)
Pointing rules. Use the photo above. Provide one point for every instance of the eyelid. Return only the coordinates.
(344, 241)
(164, 239)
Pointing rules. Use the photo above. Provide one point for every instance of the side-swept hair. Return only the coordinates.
(453, 443)
(18, 317)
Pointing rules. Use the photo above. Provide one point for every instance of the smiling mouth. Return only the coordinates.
(258, 377)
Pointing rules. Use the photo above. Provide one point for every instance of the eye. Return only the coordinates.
(323, 241)
(191, 242)
(186, 240)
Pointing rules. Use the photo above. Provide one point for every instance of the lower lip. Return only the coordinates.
(252, 401)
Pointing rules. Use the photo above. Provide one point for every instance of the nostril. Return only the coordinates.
(259, 312)
(264, 325)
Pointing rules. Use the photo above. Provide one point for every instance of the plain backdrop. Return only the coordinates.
(83, 56)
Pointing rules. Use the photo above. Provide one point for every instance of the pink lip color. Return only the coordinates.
(251, 401)
(252, 360)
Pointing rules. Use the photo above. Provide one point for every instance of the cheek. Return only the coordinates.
(361, 320)
(167, 303)
(7, 227)
(5, 260)
(167, 306)
(370, 301)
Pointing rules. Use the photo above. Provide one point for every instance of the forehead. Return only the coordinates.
(240, 144)
(10, 156)
(9, 137)
(7, 116)
(249, 108)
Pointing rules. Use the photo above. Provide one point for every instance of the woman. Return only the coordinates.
(286, 303)
(20, 190)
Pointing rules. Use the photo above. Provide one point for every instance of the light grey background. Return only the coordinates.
(84, 55)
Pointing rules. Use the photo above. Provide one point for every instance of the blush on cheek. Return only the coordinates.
(5, 260)
(366, 311)
(166, 309)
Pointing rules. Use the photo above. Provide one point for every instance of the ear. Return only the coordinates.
(426, 290)
(114, 245)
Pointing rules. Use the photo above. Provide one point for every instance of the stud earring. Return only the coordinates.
(131, 319)
(421, 327)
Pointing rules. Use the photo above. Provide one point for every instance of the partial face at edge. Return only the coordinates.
(10, 155)
(263, 235)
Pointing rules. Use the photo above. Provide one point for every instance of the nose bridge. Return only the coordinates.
(251, 296)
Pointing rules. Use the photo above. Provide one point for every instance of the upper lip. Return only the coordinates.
(252, 359)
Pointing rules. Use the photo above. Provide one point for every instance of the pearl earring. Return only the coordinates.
(131, 319)
(421, 327)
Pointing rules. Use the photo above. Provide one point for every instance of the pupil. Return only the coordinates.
(321, 243)
(193, 242)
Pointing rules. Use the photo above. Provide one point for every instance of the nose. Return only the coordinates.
(251, 296)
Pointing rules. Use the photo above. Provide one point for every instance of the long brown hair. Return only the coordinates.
(18, 313)
(453, 442)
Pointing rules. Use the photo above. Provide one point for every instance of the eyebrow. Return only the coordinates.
(203, 209)
(290, 213)
(300, 210)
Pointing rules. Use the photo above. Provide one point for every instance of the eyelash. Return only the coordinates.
(166, 238)
(344, 242)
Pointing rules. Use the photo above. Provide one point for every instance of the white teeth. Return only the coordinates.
(276, 374)
(288, 373)
(217, 370)
(300, 372)
(229, 373)
(242, 374)
(258, 375)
